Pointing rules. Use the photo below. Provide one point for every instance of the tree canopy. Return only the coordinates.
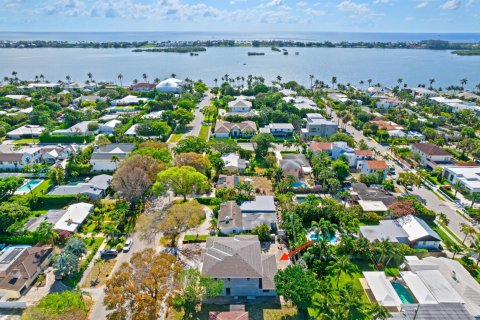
(182, 180)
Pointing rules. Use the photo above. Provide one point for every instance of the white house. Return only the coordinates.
(431, 155)
(170, 85)
(102, 158)
(468, 176)
(80, 128)
(18, 97)
(420, 92)
(73, 217)
(239, 106)
(15, 159)
(234, 218)
(128, 100)
(225, 129)
(408, 230)
(278, 129)
(26, 131)
(372, 166)
(317, 125)
(109, 127)
(387, 103)
(233, 162)
(142, 87)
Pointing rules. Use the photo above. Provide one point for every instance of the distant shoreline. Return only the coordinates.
(461, 48)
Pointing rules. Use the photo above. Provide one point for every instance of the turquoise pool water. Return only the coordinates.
(403, 293)
(313, 236)
(30, 185)
(299, 184)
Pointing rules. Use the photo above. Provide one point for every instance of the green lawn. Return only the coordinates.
(25, 141)
(175, 137)
(42, 188)
(204, 133)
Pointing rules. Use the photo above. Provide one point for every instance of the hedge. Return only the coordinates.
(47, 138)
(209, 201)
(191, 238)
(53, 201)
(29, 238)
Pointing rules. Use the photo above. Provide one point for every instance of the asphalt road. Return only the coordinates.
(193, 128)
(431, 200)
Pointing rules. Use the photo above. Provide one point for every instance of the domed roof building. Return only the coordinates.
(170, 85)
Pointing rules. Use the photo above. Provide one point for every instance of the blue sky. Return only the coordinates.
(241, 15)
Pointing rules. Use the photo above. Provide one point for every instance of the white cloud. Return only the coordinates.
(313, 12)
(302, 4)
(380, 1)
(470, 3)
(451, 5)
(274, 3)
(237, 1)
(355, 8)
(422, 4)
(409, 18)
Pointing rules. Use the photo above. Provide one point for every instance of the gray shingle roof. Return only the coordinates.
(229, 215)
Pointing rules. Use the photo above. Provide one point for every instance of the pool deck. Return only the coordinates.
(20, 192)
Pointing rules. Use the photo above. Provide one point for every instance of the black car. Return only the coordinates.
(108, 254)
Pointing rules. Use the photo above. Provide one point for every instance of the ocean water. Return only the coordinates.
(348, 65)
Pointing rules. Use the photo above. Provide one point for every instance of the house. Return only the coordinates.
(26, 131)
(170, 85)
(233, 163)
(153, 115)
(102, 158)
(225, 129)
(225, 181)
(239, 262)
(51, 154)
(239, 106)
(95, 188)
(18, 97)
(386, 125)
(234, 218)
(128, 100)
(237, 312)
(295, 165)
(361, 192)
(421, 93)
(109, 127)
(317, 125)
(377, 285)
(372, 166)
(73, 218)
(431, 155)
(20, 267)
(317, 147)
(279, 129)
(387, 103)
(132, 131)
(78, 129)
(407, 230)
(287, 92)
(301, 103)
(91, 98)
(468, 95)
(52, 216)
(340, 148)
(468, 176)
(15, 159)
(35, 86)
(142, 87)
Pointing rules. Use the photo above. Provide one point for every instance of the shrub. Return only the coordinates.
(47, 138)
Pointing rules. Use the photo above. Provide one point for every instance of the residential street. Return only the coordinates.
(431, 200)
(193, 128)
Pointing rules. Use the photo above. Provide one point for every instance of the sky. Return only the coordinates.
(405, 16)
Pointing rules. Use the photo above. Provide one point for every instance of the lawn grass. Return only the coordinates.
(266, 311)
(25, 141)
(99, 274)
(193, 238)
(450, 232)
(203, 134)
(175, 137)
(42, 188)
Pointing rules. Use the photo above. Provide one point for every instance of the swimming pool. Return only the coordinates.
(403, 293)
(299, 184)
(28, 186)
(314, 236)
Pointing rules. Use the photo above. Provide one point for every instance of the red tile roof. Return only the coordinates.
(321, 146)
(231, 315)
(359, 152)
(377, 164)
(430, 149)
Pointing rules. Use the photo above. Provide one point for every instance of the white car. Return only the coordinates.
(128, 245)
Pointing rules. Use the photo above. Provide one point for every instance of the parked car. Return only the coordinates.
(409, 188)
(108, 254)
(128, 245)
(171, 250)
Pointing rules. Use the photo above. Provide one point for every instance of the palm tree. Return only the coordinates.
(90, 76)
(467, 230)
(174, 75)
(115, 160)
(458, 186)
(478, 86)
(135, 81)
(475, 249)
(443, 219)
(324, 227)
(454, 248)
(46, 233)
(474, 197)
(311, 80)
(432, 80)
(399, 81)
(156, 80)
(120, 78)
(68, 78)
(334, 81)
(216, 82)
(362, 83)
(42, 77)
(342, 265)
(379, 312)
(463, 82)
(369, 82)
(145, 77)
